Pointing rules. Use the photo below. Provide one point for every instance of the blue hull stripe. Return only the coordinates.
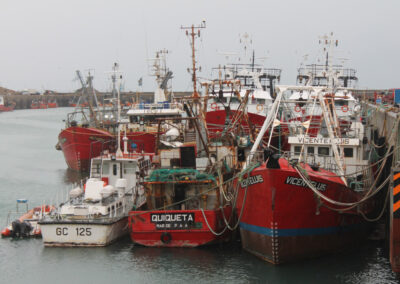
(298, 232)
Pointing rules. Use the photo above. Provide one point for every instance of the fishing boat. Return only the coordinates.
(181, 203)
(312, 200)
(35, 104)
(83, 127)
(96, 214)
(52, 104)
(222, 103)
(43, 104)
(186, 201)
(25, 225)
(332, 75)
(3, 107)
(140, 121)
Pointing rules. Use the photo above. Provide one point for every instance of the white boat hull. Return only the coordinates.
(82, 234)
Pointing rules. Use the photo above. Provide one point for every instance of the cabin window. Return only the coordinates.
(96, 168)
(261, 101)
(129, 168)
(348, 152)
(234, 100)
(297, 150)
(341, 103)
(106, 169)
(323, 151)
(115, 171)
(310, 150)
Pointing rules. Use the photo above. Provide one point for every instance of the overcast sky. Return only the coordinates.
(43, 42)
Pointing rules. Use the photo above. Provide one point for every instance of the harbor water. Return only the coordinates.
(31, 168)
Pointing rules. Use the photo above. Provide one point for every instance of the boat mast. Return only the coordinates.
(85, 91)
(162, 73)
(329, 43)
(117, 76)
(194, 32)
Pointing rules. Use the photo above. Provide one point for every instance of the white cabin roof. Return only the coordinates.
(306, 95)
(155, 111)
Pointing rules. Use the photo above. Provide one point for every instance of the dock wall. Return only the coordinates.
(63, 99)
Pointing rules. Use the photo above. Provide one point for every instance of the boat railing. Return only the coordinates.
(316, 127)
(74, 117)
(144, 165)
(156, 106)
(95, 171)
(256, 157)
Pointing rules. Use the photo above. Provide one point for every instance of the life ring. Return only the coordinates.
(166, 238)
(214, 106)
(297, 109)
(260, 108)
(345, 108)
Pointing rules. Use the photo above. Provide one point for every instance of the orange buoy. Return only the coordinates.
(6, 232)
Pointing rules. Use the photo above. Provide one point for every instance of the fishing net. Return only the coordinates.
(171, 175)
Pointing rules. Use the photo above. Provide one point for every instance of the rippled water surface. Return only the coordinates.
(31, 167)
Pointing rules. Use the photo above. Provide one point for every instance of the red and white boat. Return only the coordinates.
(186, 201)
(25, 225)
(312, 200)
(97, 214)
(223, 103)
(79, 143)
(180, 204)
(5, 108)
(139, 122)
(189, 227)
(43, 104)
(52, 104)
(35, 104)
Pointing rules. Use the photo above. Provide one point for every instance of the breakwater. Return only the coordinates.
(24, 101)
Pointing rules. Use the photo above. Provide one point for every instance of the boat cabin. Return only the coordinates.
(144, 115)
(318, 150)
(111, 181)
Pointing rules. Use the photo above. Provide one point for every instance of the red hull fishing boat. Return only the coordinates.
(77, 141)
(255, 80)
(35, 104)
(186, 200)
(80, 144)
(100, 124)
(180, 204)
(52, 104)
(179, 228)
(315, 199)
(284, 220)
(42, 104)
(4, 108)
